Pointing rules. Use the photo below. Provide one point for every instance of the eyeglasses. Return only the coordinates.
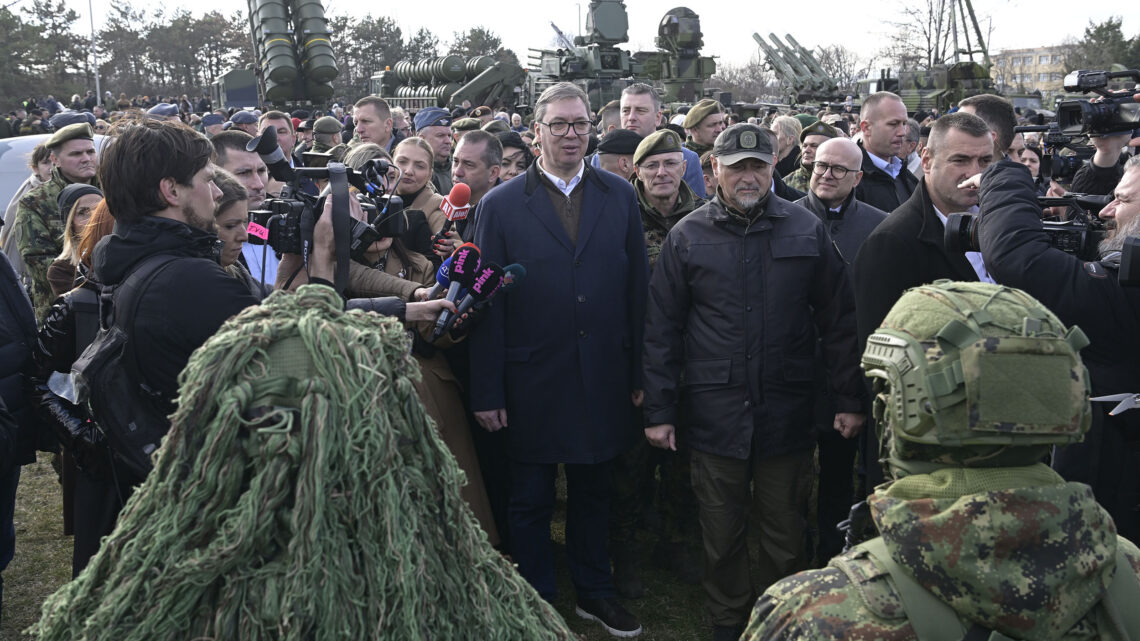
(654, 165)
(581, 127)
(839, 171)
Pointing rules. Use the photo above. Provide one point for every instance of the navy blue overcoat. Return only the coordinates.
(562, 351)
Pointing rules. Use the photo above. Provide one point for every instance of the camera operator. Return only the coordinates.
(1087, 294)
(1100, 174)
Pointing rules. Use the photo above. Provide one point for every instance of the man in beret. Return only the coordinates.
(664, 198)
(464, 125)
(703, 124)
(744, 290)
(483, 113)
(245, 121)
(163, 111)
(433, 124)
(615, 152)
(811, 138)
(65, 118)
(212, 125)
(38, 225)
(326, 137)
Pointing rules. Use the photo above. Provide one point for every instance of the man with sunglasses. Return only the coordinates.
(835, 172)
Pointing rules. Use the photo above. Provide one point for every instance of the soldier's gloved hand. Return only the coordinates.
(90, 451)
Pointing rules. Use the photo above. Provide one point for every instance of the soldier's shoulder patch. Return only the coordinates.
(871, 580)
(1096, 269)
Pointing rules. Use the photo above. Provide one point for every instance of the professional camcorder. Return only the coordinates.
(286, 223)
(1114, 112)
(1079, 235)
(1062, 154)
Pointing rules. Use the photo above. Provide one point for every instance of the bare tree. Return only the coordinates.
(748, 83)
(843, 65)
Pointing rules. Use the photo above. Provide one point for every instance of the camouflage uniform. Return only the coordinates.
(337, 152)
(697, 147)
(800, 179)
(657, 225)
(971, 517)
(40, 232)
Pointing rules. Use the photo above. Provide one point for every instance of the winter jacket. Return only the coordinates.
(878, 189)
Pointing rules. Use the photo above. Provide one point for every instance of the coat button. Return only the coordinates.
(581, 298)
(577, 263)
(748, 357)
(748, 308)
(582, 333)
(747, 403)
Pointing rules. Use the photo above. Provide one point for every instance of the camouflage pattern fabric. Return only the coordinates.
(657, 225)
(1016, 550)
(40, 230)
(696, 147)
(800, 179)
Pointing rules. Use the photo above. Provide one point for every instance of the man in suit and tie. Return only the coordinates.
(556, 363)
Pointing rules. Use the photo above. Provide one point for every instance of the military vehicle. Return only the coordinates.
(235, 89)
(802, 79)
(295, 62)
(678, 65)
(593, 61)
(447, 81)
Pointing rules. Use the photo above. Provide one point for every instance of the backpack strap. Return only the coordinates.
(124, 303)
(85, 313)
(931, 619)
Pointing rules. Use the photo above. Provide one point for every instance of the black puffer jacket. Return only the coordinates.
(731, 326)
(185, 303)
(17, 335)
(69, 328)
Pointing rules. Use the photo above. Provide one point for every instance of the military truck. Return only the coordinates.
(447, 81)
(593, 61)
(937, 88)
(295, 61)
(235, 89)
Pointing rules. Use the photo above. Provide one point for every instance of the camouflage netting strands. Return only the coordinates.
(302, 493)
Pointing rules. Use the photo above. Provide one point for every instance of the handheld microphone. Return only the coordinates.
(455, 207)
(442, 279)
(266, 146)
(464, 268)
(487, 282)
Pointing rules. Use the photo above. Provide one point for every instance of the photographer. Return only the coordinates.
(1087, 294)
(1100, 174)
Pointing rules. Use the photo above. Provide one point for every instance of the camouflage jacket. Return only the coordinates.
(697, 147)
(1016, 550)
(656, 225)
(799, 179)
(40, 238)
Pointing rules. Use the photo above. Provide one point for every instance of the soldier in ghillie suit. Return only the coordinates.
(978, 538)
(703, 124)
(811, 138)
(38, 217)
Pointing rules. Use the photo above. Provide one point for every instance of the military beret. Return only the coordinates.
(818, 129)
(479, 112)
(77, 131)
(806, 120)
(243, 117)
(65, 118)
(72, 193)
(662, 141)
(431, 117)
(619, 141)
(496, 126)
(163, 110)
(209, 120)
(327, 125)
(303, 114)
(466, 124)
(740, 141)
(700, 111)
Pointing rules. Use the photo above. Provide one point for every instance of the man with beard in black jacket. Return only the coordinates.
(742, 289)
(1087, 294)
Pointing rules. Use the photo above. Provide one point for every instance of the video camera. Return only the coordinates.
(1079, 235)
(1114, 113)
(286, 223)
(1054, 163)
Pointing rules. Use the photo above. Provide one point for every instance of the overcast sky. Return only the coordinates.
(727, 27)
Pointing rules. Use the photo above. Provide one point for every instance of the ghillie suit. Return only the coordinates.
(302, 493)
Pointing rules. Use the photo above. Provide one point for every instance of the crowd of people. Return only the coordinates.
(705, 296)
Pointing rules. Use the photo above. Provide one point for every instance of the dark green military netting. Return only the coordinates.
(302, 493)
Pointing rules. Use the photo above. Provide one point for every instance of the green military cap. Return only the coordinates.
(78, 131)
(327, 125)
(466, 124)
(496, 127)
(740, 141)
(819, 129)
(806, 120)
(700, 111)
(661, 141)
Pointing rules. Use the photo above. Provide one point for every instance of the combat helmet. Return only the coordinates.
(974, 375)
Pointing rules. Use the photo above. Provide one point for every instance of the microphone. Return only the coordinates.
(442, 279)
(266, 146)
(487, 282)
(512, 276)
(464, 268)
(455, 207)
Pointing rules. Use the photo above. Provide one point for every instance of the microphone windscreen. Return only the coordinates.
(460, 195)
(487, 281)
(465, 265)
(512, 275)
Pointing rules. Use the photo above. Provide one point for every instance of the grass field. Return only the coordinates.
(670, 612)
